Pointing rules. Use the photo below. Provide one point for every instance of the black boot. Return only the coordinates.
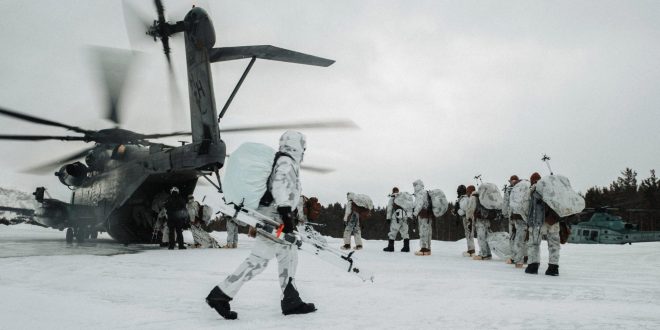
(390, 246)
(553, 270)
(219, 301)
(532, 268)
(406, 245)
(292, 304)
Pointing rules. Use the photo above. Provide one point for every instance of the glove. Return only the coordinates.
(287, 219)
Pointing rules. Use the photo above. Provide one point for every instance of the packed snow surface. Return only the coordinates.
(53, 285)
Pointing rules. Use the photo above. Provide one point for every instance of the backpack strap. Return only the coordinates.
(267, 198)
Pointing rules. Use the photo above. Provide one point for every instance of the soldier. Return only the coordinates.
(177, 215)
(481, 225)
(398, 223)
(422, 211)
(517, 228)
(506, 213)
(542, 220)
(284, 187)
(352, 224)
(460, 209)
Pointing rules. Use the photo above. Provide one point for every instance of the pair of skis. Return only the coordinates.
(306, 238)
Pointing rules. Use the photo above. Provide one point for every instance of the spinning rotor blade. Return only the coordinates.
(136, 24)
(41, 137)
(316, 169)
(48, 167)
(113, 66)
(156, 136)
(328, 124)
(41, 121)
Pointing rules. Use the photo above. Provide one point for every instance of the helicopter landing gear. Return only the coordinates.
(81, 234)
(94, 234)
(69, 235)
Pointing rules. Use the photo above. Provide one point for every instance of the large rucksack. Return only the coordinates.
(438, 202)
(362, 205)
(519, 199)
(557, 193)
(404, 200)
(247, 173)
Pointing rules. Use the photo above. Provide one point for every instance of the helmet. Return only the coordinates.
(470, 189)
(535, 177)
(174, 190)
(395, 190)
(513, 180)
(461, 190)
(294, 144)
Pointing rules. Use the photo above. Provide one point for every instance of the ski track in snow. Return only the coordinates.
(78, 287)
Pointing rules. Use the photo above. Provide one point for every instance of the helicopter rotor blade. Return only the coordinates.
(316, 169)
(327, 124)
(41, 121)
(41, 137)
(137, 23)
(113, 67)
(157, 136)
(48, 167)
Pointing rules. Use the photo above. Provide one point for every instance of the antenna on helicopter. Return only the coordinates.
(546, 160)
(478, 177)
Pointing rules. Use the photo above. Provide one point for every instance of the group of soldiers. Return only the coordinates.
(176, 213)
(526, 230)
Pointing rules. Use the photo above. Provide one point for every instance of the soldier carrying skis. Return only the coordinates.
(279, 202)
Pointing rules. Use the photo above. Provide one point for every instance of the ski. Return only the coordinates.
(305, 238)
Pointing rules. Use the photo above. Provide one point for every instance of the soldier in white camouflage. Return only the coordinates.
(422, 211)
(482, 227)
(352, 224)
(460, 209)
(518, 229)
(398, 221)
(542, 220)
(285, 190)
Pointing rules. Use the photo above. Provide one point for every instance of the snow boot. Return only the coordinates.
(358, 247)
(423, 252)
(406, 245)
(219, 301)
(553, 270)
(532, 268)
(292, 304)
(519, 265)
(346, 247)
(478, 257)
(468, 253)
(390, 246)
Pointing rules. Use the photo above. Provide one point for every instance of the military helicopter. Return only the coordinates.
(125, 173)
(606, 228)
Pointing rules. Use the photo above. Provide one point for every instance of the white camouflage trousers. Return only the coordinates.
(353, 228)
(534, 244)
(469, 233)
(232, 232)
(424, 233)
(483, 227)
(519, 245)
(398, 226)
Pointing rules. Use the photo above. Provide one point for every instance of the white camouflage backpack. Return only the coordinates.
(439, 203)
(519, 198)
(557, 192)
(247, 172)
(405, 202)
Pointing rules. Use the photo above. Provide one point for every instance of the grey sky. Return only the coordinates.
(442, 90)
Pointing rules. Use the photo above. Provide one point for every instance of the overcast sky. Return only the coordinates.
(442, 90)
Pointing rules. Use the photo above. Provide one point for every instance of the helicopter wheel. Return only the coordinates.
(80, 234)
(69, 235)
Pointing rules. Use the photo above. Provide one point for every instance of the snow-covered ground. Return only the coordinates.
(56, 286)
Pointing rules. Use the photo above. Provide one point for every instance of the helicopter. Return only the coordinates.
(125, 174)
(606, 228)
